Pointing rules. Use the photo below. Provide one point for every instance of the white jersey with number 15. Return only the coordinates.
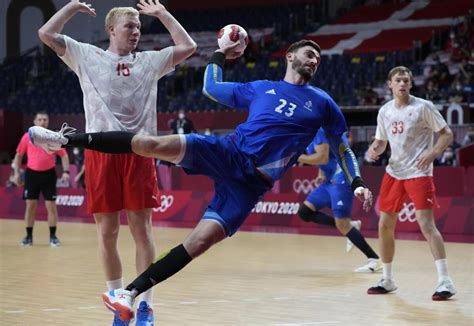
(119, 92)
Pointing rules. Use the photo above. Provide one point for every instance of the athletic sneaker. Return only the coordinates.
(444, 291)
(120, 302)
(118, 322)
(356, 224)
(373, 265)
(384, 286)
(50, 140)
(26, 242)
(54, 242)
(144, 315)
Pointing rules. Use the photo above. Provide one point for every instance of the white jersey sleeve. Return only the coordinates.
(76, 52)
(433, 118)
(381, 131)
(161, 61)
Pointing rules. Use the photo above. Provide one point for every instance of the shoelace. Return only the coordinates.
(67, 130)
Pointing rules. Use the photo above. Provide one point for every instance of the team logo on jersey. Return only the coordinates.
(340, 203)
(271, 91)
(308, 105)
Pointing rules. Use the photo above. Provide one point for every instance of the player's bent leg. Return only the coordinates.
(343, 225)
(167, 148)
(346, 227)
(205, 234)
(357, 225)
(308, 213)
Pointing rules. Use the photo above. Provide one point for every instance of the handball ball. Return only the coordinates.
(232, 33)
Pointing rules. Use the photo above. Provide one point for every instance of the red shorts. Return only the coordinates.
(120, 181)
(394, 192)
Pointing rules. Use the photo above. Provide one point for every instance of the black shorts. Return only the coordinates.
(40, 181)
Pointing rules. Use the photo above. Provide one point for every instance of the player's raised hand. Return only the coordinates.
(150, 7)
(84, 7)
(229, 50)
(424, 161)
(365, 196)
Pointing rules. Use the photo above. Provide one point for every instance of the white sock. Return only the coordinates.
(115, 284)
(442, 267)
(146, 296)
(387, 271)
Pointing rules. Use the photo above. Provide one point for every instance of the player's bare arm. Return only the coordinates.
(445, 138)
(16, 169)
(321, 178)
(184, 45)
(65, 164)
(348, 163)
(49, 33)
(320, 157)
(377, 148)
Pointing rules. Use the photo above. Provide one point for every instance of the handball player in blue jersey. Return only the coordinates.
(284, 116)
(334, 191)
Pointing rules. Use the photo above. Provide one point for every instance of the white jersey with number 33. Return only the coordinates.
(119, 92)
(409, 131)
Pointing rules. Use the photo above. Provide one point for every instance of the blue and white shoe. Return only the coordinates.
(118, 322)
(120, 302)
(144, 315)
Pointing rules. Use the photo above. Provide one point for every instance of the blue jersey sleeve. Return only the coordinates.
(320, 137)
(335, 127)
(235, 95)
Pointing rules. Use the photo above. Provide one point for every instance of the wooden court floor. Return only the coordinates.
(250, 279)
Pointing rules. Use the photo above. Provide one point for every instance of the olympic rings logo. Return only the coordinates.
(166, 202)
(304, 186)
(408, 213)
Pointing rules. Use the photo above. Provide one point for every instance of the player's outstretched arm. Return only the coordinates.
(213, 86)
(184, 45)
(49, 33)
(349, 165)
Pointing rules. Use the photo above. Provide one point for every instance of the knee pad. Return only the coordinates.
(305, 213)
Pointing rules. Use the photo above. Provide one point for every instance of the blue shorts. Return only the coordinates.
(338, 197)
(238, 187)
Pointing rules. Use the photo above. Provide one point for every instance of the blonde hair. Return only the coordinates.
(402, 70)
(118, 12)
